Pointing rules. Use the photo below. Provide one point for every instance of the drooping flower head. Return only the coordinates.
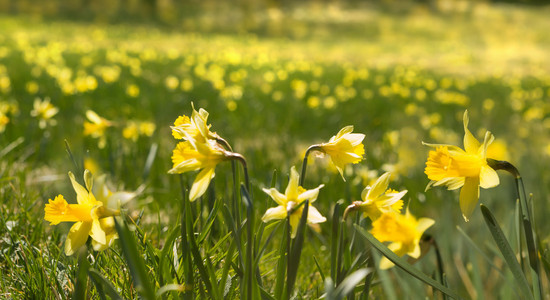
(92, 217)
(44, 111)
(403, 231)
(378, 199)
(191, 156)
(288, 202)
(96, 126)
(467, 169)
(344, 148)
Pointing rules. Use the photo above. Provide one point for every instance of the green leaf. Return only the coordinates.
(296, 252)
(197, 258)
(169, 288)
(149, 161)
(164, 254)
(281, 263)
(400, 262)
(135, 262)
(507, 252)
(81, 275)
(348, 284)
(103, 286)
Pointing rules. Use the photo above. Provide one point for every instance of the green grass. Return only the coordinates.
(407, 80)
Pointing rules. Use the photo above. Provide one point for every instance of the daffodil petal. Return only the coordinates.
(276, 196)
(347, 129)
(314, 216)
(389, 199)
(423, 224)
(294, 221)
(452, 183)
(109, 239)
(355, 138)
(469, 196)
(77, 237)
(386, 263)
(415, 253)
(488, 140)
(185, 166)
(291, 191)
(471, 144)
(97, 232)
(201, 183)
(488, 177)
(310, 195)
(82, 195)
(275, 213)
(379, 187)
(450, 147)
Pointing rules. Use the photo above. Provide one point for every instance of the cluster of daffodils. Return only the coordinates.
(92, 215)
(201, 149)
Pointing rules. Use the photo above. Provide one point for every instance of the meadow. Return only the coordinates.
(103, 97)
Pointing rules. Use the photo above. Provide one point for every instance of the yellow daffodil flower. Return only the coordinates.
(294, 195)
(403, 231)
(92, 217)
(96, 127)
(378, 199)
(44, 111)
(344, 148)
(194, 128)
(190, 156)
(467, 169)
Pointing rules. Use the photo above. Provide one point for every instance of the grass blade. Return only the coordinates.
(507, 252)
(135, 262)
(81, 276)
(348, 284)
(400, 262)
(104, 285)
(296, 252)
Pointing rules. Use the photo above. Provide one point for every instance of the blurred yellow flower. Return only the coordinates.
(289, 201)
(451, 166)
(378, 199)
(192, 155)
(344, 148)
(92, 217)
(4, 120)
(96, 127)
(403, 231)
(131, 131)
(44, 111)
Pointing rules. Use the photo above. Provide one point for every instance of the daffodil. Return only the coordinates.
(403, 231)
(467, 169)
(92, 217)
(96, 126)
(344, 148)
(290, 203)
(194, 128)
(378, 199)
(190, 156)
(44, 111)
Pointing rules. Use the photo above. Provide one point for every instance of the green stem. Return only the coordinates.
(304, 163)
(527, 218)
